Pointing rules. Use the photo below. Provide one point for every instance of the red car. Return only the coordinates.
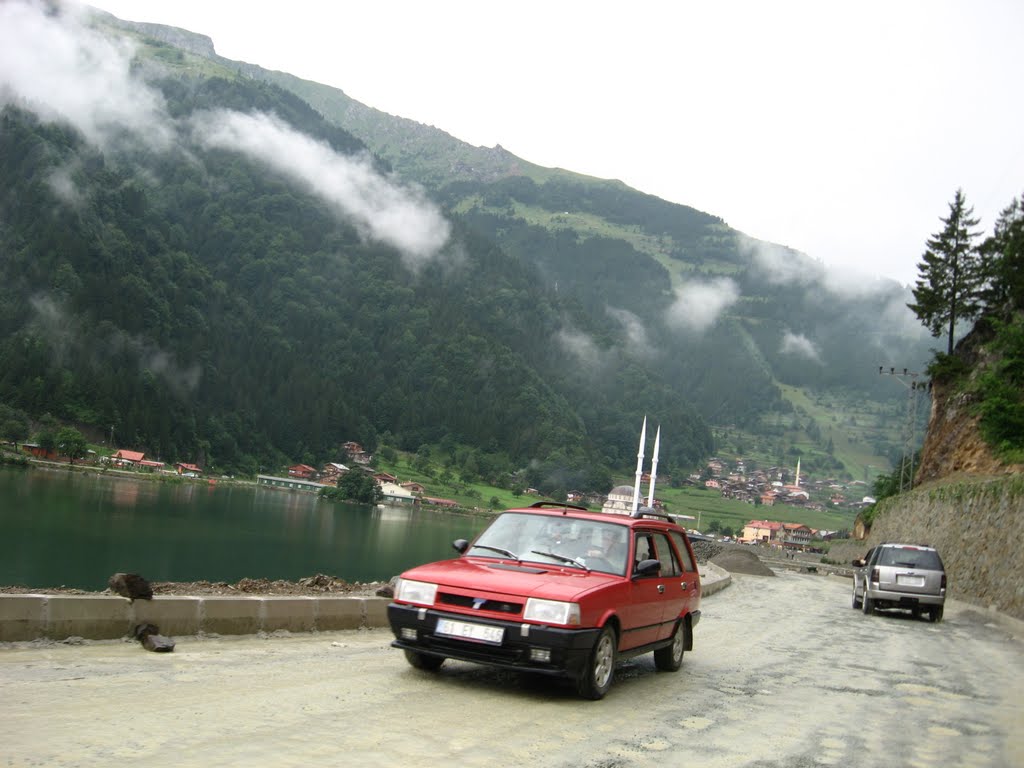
(555, 589)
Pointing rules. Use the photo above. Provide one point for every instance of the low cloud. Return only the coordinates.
(636, 334)
(800, 346)
(699, 304)
(399, 216)
(581, 347)
(52, 64)
(63, 331)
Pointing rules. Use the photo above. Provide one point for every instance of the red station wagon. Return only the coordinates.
(555, 589)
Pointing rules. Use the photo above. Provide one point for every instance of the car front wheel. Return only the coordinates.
(596, 677)
(670, 658)
(424, 661)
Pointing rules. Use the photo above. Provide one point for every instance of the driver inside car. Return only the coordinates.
(611, 547)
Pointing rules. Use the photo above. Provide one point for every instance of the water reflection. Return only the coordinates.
(75, 529)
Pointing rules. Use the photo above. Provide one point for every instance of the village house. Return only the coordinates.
(123, 458)
(413, 487)
(396, 494)
(331, 472)
(188, 470)
(302, 471)
(356, 453)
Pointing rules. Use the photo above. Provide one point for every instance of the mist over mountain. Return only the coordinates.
(237, 267)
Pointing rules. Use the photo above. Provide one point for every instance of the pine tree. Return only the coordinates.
(1002, 260)
(949, 274)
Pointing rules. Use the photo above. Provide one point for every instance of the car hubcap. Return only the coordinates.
(603, 661)
(677, 645)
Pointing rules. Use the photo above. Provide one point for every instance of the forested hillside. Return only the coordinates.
(223, 274)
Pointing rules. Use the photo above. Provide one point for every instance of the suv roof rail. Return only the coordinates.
(557, 505)
(651, 512)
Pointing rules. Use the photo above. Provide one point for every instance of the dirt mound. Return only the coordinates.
(737, 560)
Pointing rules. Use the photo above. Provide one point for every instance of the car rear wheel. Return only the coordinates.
(869, 605)
(670, 658)
(856, 600)
(424, 661)
(935, 613)
(596, 677)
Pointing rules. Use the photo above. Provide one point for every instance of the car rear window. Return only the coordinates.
(906, 557)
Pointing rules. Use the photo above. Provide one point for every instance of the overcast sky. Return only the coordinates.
(841, 130)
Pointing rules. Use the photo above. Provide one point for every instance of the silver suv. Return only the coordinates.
(907, 576)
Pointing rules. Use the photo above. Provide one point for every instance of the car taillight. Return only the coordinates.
(875, 577)
(943, 581)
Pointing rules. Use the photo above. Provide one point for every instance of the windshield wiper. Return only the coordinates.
(560, 558)
(499, 550)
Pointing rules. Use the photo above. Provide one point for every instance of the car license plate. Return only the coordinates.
(909, 581)
(464, 630)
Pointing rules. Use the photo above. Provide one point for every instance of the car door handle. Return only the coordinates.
(661, 589)
(684, 585)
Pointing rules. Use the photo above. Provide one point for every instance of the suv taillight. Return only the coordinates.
(943, 581)
(875, 577)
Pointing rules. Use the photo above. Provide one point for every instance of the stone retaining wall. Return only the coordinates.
(975, 526)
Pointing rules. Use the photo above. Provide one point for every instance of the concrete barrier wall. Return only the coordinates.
(101, 617)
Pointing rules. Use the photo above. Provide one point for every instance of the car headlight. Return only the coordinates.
(552, 612)
(420, 592)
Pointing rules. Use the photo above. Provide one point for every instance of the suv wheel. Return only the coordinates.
(596, 677)
(935, 613)
(869, 605)
(856, 600)
(670, 658)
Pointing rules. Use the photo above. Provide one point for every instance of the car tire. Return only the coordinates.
(856, 602)
(596, 677)
(935, 614)
(670, 658)
(424, 661)
(868, 605)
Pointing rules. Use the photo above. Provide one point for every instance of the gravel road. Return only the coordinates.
(784, 674)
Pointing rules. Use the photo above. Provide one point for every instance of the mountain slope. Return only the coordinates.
(226, 298)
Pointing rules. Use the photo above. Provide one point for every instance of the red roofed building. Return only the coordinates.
(188, 469)
(131, 458)
(304, 471)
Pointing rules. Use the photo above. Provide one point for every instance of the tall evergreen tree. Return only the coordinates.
(1002, 259)
(949, 273)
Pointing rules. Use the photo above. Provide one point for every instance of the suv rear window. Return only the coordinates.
(905, 557)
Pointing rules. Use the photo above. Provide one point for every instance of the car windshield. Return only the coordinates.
(907, 557)
(555, 539)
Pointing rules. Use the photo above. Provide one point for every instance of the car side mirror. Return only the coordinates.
(859, 563)
(648, 568)
(460, 545)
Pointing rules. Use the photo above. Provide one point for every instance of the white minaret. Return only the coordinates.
(797, 483)
(639, 467)
(654, 467)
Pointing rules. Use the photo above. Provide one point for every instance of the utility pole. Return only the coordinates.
(909, 380)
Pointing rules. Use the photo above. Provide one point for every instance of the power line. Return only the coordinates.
(908, 379)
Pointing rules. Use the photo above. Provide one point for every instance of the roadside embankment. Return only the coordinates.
(108, 617)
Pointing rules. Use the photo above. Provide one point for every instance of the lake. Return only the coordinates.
(75, 529)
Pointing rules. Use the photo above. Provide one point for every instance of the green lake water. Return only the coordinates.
(77, 528)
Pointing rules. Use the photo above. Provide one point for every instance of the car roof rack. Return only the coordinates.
(651, 512)
(557, 505)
